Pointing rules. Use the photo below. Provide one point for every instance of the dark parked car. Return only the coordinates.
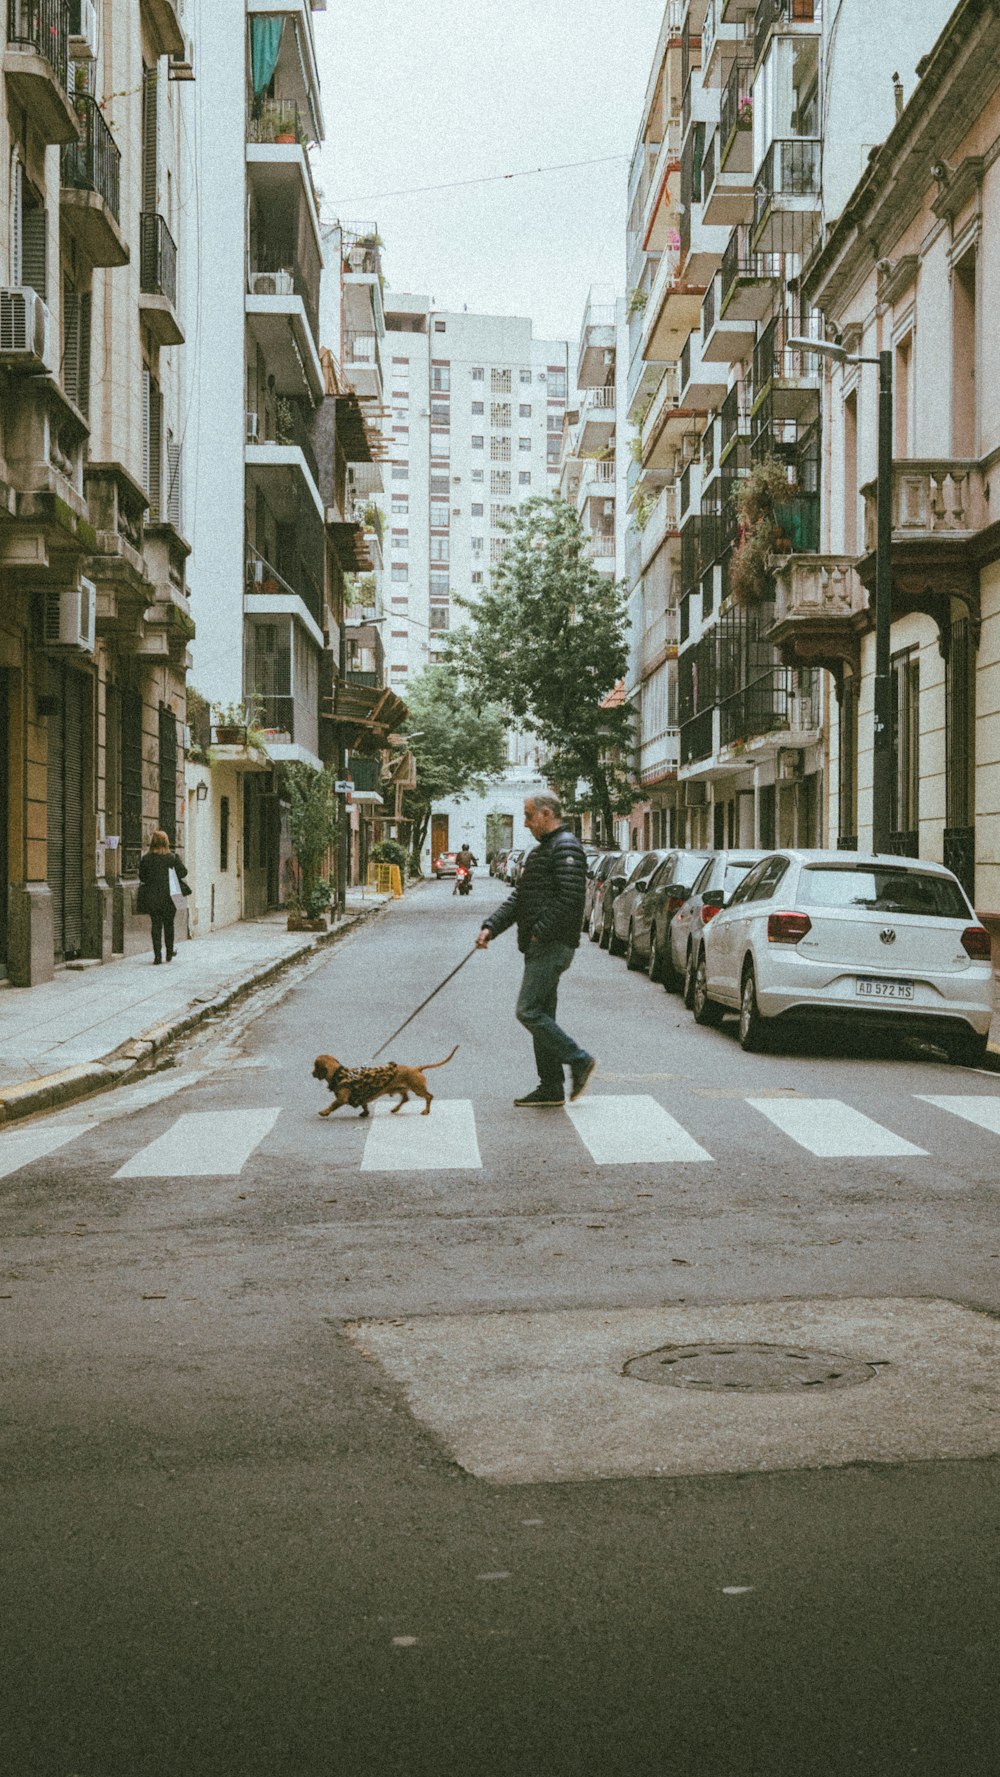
(497, 863)
(714, 888)
(597, 869)
(668, 889)
(621, 873)
(625, 902)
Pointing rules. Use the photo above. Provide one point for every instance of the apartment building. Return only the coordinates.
(475, 422)
(913, 268)
(758, 119)
(95, 622)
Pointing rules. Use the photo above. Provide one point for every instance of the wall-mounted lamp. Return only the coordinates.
(201, 793)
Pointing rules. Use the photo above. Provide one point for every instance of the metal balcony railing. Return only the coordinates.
(685, 377)
(781, 12)
(790, 169)
(697, 737)
(288, 426)
(690, 556)
(94, 162)
(757, 708)
(42, 25)
(736, 109)
(709, 532)
(278, 120)
(709, 166)
(273, 261)
(733, 418)
(773, 360)
(157, 258)
(708, 308)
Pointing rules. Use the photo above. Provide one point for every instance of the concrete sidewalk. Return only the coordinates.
(94, 1025)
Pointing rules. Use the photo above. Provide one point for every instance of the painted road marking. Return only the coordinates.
(203, 1144)
(831, 1129)
(411, 1142)
(630, 1129)
(21, 1147)
(985, 1112)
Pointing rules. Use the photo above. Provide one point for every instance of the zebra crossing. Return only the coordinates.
(614, 1129)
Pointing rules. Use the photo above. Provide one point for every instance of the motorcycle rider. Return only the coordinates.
(464, 860)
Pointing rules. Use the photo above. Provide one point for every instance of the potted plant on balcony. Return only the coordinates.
(755, 500)
(284, 420)
(285, 127)
(235, 724)
(637, 301)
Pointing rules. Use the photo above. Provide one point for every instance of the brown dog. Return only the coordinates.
(359, 1085)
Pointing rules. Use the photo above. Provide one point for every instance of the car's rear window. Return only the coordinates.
(735, 874)
(882, 889)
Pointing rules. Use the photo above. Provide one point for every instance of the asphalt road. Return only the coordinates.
(249, 1417)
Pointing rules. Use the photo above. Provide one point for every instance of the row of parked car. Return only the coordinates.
(807, 936)
(506, 866)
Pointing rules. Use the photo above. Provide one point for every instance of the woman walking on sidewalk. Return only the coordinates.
(154, 896)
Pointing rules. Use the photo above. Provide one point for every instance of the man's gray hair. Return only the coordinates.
(546, 799)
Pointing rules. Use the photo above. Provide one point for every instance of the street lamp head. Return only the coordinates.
(826, 347)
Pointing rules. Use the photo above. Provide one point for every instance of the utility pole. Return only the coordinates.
(882, 738)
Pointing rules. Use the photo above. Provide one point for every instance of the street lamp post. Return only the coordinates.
(882, 732)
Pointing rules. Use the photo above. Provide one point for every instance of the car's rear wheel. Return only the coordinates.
(668, 974)
(966, 1048)
(615, 945)
(655, 962)
(706, 1011)
(605, 936)
(688, 988)
(592, 926)
(753, 1028)
(632, 957)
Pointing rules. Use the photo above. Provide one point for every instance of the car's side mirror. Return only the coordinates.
(642, 885)
(713, 898)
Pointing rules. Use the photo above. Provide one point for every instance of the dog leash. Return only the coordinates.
(426, 1002)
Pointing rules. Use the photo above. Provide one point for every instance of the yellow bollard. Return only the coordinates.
(396, 880)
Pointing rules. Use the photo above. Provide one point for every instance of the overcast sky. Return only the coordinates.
(421, 92)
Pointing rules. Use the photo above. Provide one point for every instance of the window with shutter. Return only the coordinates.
(173, 481)
(150, 137)
(76, 347)
(16, 176)
(33, 241)
(152, 444)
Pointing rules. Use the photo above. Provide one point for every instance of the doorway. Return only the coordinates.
(67, 734)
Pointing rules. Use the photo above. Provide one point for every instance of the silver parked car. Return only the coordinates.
(714, 887)
(655, 911)
(818, 936)
(623, 911)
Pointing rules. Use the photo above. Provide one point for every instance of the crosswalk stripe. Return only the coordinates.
(411, 1142)
(985, 1112)
(831, 1129)
(202, 1144)
(630, 1129)
(21, 1147)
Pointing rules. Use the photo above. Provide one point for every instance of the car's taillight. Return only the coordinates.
(976, 943)
(788, 928)
(674, 902)
(709, 912)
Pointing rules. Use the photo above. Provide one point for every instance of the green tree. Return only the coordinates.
(459, 743)
(549, 642)
(312, 821)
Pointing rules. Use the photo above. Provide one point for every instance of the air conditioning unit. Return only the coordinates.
(456, 512)
(256, 573)
(253, 437)
(790, 765)
(25, 331)
(609, 356)
(272, 283)
(695, 795)
(71, 618)
(609, 508)
(83, 40)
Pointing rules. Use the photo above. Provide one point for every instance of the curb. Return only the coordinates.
(127, 1062)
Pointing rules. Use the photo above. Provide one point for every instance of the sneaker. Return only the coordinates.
(540, 1097)
(580, 1074)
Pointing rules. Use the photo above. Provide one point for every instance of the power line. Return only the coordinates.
(564, 166)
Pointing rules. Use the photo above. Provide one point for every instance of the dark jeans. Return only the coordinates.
(536, 1010)
(163, 927)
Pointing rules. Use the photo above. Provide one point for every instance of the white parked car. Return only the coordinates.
(819, 935)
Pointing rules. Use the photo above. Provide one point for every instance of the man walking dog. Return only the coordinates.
(547, 908)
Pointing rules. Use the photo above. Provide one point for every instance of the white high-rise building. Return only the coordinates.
(476, 408)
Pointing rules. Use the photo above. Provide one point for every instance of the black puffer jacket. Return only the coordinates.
(547, 903)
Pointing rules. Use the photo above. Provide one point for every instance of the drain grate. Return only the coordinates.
(747, 1369)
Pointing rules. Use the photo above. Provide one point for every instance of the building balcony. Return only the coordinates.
(659, 756)
(278, 168)
(820, 612)
(734, 423)
(282, 307)
(281, 672)
(723, 340)
(361, 362)
(597, 344)
(661, 213)
(702, 245)
(162, 19)
(294, 81)
(36, 66)
(939, 506)
(734, 12)
(45, 526)
(722, 40)
(787, 203)
(597, 420)
(748, 281)
(297, 593)
(785, 375)
(658, 641)
(699, 738)
(781, 706)
(89, 198)
(361, 278)
(657, 523)
(787, 17)
(672, 312)
(703, 384)
(727, 192)
(158, 280)
(736, 120)
(281, 462)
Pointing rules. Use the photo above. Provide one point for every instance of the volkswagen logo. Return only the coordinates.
(888, 936)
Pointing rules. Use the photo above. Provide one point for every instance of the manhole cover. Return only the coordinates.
(747, 1369)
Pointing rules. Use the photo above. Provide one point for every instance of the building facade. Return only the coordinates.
(95, 622)
(475, 423)
(756, 125)
(913, 269)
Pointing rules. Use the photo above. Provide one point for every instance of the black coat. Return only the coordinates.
(154, 881)
(547, 903)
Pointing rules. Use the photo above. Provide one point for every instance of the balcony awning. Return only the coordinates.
(367, 713)
(359, 442)
(349, 546)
